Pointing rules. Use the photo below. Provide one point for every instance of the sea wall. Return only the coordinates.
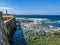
(11, 27)
(7, 28)
(3, 36)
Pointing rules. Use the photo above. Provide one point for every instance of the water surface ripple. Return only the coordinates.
(18, 36)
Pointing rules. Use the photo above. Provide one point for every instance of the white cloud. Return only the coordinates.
(39, 12)
(10, 10)
(4, 8)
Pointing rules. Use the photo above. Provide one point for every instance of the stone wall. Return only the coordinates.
(6, 30)
(3, 37)
(10, 26)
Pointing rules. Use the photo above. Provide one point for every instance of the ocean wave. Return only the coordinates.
(19, 18)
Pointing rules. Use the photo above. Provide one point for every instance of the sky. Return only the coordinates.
(40, 7)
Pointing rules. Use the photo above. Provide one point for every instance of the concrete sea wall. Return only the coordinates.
(7, 27)
(3, 37)
(11, 27)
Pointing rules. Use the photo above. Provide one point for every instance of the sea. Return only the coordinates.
(55, 19)
(18, 36)
(51, 17)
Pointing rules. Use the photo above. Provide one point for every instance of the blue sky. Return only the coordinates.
(49, 7)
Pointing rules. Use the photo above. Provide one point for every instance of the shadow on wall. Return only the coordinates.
(18, 36)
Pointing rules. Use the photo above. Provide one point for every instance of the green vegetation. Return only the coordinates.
(40, 33)
(37, 38)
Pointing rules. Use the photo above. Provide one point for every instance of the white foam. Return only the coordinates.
(59, 28)
(51, 26)
(20, 18)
